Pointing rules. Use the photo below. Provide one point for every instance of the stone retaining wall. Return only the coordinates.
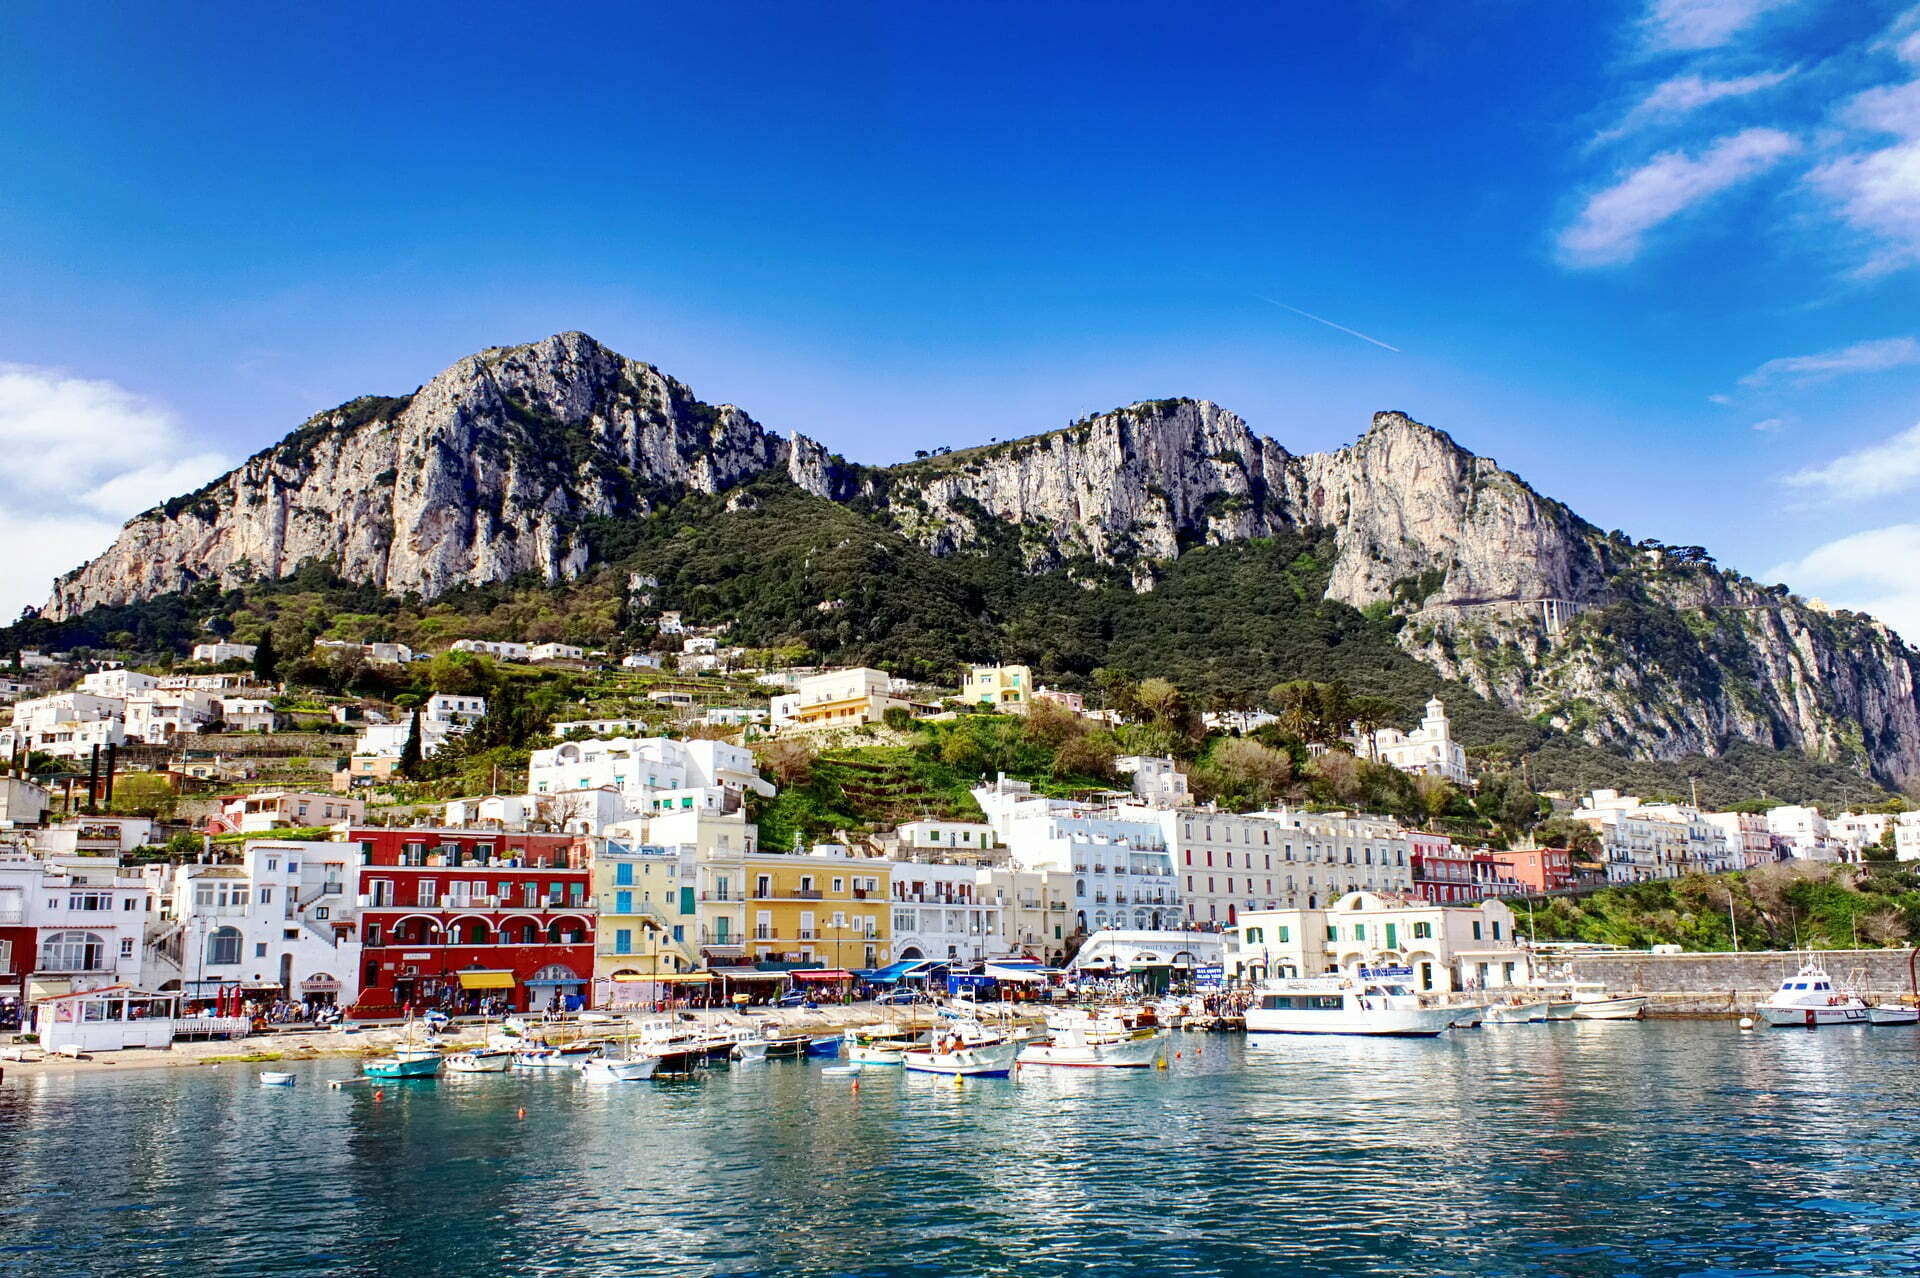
(1702, 984)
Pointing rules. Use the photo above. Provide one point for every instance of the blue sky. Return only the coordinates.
(1658, 256)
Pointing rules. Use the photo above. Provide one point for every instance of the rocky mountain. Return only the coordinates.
(501, 464)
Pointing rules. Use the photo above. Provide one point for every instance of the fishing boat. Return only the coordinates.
(882, 1044)
(404, 1067)
(824, 1045)
(480, 1061)
(1086, 1040)
(676, 1047)
(1589, 1001)
(1808, 998)
(964, 1049)
(779, 1044)
(1893, 1014)
(1467, 1015)
(537, 1055)
(274, 1078)
(1372, 1002)
(749, 1049)
(624, 1068)
(1518, 1012)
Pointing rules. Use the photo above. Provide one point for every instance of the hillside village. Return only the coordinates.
(553, 824)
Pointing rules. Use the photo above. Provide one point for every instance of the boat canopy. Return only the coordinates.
(486, 980)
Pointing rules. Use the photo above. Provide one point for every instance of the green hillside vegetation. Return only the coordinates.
(1789, 905)
(813, 580)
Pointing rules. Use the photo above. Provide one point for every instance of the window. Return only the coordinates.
(73, 952)
(126, 947)
(839, 885)
(259, 949)
(1333, 931)
(1423, 931)
(1496, 930)
(623, 941)
(223, 947)
(1282, 934)
(266, 896)
(373, 934)
(1476, 929)
(623, 874)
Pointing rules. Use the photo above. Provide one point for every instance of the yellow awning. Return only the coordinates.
(688, 978)
(486, 980)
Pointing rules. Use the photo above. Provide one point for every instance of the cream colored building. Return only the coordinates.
(838, 699)
(1448, 946)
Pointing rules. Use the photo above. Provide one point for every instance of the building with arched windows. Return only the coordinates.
(67, 924)
(1448, 946)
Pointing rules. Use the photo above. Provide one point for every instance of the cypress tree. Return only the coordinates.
(410, 753)
(265, 659)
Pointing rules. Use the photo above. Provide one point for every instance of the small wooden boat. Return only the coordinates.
(624, 1068)
(480, 1061)
(274, 1078)
(404, 1067)
(1893, 1014)
(1095, 1042)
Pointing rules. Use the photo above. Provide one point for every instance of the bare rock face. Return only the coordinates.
(486, 472)
(495, 468)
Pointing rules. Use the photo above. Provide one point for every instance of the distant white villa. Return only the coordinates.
(1429, 750)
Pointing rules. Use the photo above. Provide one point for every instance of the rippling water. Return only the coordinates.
(1561, 1149)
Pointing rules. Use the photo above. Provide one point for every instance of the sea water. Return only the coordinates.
(1577, 1148)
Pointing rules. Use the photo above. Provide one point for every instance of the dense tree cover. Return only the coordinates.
(1792, 904)
(1224, 627)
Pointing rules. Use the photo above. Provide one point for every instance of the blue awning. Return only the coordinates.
(893, 973)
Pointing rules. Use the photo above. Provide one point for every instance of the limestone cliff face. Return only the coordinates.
(486, 472)
(493, 468)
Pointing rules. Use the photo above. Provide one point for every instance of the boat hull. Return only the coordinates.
(1611, 1009)
(1516, 1013)
(480, 1062)
(1894, 1015)
(418, 1067)
(617, 1071)
(1139, 1053)
(875, 1054)
(828, 1045)
(272, 1079)
(1425, 1022)
(748, 1052)
(991, 1060)
(1808, 1017)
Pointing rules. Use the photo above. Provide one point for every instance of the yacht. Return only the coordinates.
(1088, 1040)
(1809, 998)
(965, 1049)
(1374, 1002)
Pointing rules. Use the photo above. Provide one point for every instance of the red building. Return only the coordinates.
(1537, 869)
(1455, 874)
(451, 917)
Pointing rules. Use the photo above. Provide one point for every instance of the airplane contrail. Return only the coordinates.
(1350, 332)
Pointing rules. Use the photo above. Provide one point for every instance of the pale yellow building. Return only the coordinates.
(825, 906)
(648, 919)
(1007, 689)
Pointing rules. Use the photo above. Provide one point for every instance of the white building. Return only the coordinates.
(1636, 843)
(1231, 863)
(1448, 946)
(556, 652)
(22, 802)
(268, 810)
(118, 683)
(640, 661)
(454, 712)
(1156, 778)
(945, 836)
(249, 714)
(940, 913)
(82, 916)
(158, 716)
(440, 718)
(587, 811)
(497, 648)
(1122, 875)
(1805, 833)
(1747, 834)
(214, 653)
(281, 925)
(1429, 750)
(1122, 951)
(601, 727)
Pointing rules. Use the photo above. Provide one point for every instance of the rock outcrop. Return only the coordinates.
(497, 466)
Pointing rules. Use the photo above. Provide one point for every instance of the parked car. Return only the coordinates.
(901, 998)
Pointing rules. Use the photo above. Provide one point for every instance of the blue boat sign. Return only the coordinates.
(1209, 974)
(1384, 973)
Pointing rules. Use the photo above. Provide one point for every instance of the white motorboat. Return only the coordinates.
(1087, 1041)
(1467, 1015)
(480, 1061)
(882, 1044)
(1522, 1013)
(1374, 1002)
(749, 1049)
(1808, 998)
(620, 1069)
(1589, 1001)
(966, 1049)
(1893, 1014)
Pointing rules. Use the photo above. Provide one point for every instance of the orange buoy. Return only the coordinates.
(522, 1113)
(379, 1094)
(856, 1087)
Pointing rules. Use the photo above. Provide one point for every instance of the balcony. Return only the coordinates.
(807, 894)
(13, 914)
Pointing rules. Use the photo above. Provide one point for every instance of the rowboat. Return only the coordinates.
(1521, 1013)
(273, 1078)
(1893, 1014)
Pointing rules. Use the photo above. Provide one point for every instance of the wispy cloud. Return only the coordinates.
(1876, 572)
(1875, 189)
(1878, 470)
(1861, 357)
(1684, 94)
(78, 456)
(1610, 229)
(1672, 26)
(1350, 332)
(1770, 424)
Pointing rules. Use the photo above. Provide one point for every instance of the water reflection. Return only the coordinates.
(1566, 1148)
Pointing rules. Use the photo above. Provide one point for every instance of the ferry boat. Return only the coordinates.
(1808, 998)
(965, 1049)
(1085, 1040)
(1373, 1002)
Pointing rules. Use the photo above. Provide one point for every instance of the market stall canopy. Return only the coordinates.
(681, 978)
(894, 973)
(486, 980)
(822, 974)
(1000, 973)
(748, 974)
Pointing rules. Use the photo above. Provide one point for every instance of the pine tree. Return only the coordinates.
(265, 659)
(410, 753)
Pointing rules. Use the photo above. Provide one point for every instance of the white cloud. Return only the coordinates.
(77, 457)
(1680, 25)
(1610, 228)
(1875, 572)
(1876, 189)
(1875, 471)
(1770, 424)
(1686, 94)
(1861, 357)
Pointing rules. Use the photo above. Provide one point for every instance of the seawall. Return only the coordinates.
(1730, 984)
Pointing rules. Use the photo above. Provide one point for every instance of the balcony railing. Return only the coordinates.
(808, 894)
